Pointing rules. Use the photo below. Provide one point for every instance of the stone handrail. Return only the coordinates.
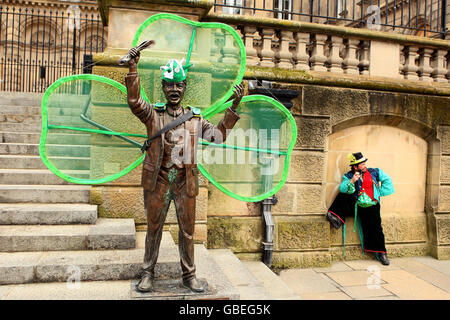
(314, 47)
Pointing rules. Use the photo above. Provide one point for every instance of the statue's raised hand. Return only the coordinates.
(238, 94)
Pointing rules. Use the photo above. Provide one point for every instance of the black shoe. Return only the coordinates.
(335, 222)
(146, 283)
(383, 259)
(194, 285)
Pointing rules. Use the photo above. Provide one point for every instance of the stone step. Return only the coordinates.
(19, 148)
(47, 213)
(8, 110)
(21, 162)
(92, 265)
(85, 290)
(20, 110)
(276, 287)
(20, 127)
(20, 118)
(21, 98)
(44, 193)
(53, 138)
(63, 150)
(96, 274)
(71, 163)
(20, 137)
(105, 234)
(249, 287)
(37, 176)
(34, 162)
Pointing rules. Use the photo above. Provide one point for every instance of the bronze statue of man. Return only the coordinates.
(166, 177)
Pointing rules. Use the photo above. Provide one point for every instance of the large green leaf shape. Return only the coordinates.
(253, 163)
(215, 50)
(89, 135)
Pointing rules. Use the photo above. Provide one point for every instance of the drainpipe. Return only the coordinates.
(284, 96)
(269, 229)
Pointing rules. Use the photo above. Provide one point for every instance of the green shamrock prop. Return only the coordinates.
(89, 135)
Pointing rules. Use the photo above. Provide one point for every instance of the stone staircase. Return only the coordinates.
(46, 223)
(51, 240)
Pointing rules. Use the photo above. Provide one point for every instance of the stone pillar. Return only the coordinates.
(425, 68)
(301, 56)
(267, 53)
(439, 70)
(252, 55)
(350, 62)
(334, 60)
(411, 68)
(284, 55)
(318, 57)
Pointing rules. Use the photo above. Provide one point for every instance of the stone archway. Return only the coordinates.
(398, 146)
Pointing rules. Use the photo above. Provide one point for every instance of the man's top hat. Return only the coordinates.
(356, 158)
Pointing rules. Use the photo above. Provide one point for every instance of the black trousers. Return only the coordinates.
(344, 206)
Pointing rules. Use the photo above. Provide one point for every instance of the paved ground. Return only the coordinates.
(423, 278)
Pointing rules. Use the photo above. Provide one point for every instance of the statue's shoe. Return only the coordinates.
(194, 285)
(146, 283)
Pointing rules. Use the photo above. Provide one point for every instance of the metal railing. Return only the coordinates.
(416, 17)
(39, 46)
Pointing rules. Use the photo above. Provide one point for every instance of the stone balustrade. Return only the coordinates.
(324, 48)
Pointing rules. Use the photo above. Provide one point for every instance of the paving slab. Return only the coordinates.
(364, 264)
(326, 296)
(337, 266)
(442, 266)
(245, 282)
(273, 283)
(365, 292)
(424, 272)
(307, 281)
(351, 278)
(4, 290)
(409, 287)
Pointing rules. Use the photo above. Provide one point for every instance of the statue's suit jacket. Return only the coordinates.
(154, 121)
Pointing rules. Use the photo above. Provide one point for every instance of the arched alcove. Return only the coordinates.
(401, 154)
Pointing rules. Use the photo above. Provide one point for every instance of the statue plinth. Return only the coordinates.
(123, 18)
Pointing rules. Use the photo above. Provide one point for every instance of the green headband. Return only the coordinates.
(174, 71)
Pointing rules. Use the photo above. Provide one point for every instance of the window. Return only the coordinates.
(283, 8)
(232, 4)
(340, 8)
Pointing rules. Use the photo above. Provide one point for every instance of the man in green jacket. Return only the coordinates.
(360, 193)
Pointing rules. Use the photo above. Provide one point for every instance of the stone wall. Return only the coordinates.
(401, 133)
(406, 115)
